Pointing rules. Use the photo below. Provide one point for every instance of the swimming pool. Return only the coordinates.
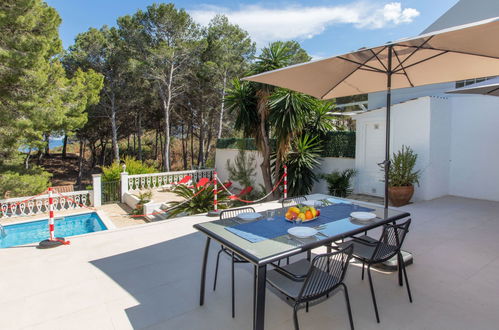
(36, 231)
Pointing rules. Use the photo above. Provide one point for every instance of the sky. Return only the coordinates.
(323, 28)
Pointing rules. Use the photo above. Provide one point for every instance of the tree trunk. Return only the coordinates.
(264, 144)
(103, 153)
(184, 147)
(93, 151)
(80, 163)
(47, 146)
(26, 160)
(139, 135)
(114, 129)
(222, 106)
(192, 143)
(201, 144)
(156, 146)
(64, 146)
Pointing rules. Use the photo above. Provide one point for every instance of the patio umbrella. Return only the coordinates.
(458, 53)
(487, 87)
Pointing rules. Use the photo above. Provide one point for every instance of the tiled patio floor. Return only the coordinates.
(147, 276)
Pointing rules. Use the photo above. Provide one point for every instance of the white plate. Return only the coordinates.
(311, 203)
(363, 216)
(249, 216)
(302, 232)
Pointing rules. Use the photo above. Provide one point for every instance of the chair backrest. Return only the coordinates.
(291, 201)
(326, 272)
(202, 182)
(231, 213)
(185, 179)
(391, 241)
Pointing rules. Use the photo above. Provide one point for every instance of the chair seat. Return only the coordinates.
(364, 246)
(287, 285)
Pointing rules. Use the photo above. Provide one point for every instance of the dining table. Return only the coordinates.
(265, 241)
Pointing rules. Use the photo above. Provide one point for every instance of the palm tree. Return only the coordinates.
(250, 101)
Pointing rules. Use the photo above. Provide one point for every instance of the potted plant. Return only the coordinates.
(402, 176)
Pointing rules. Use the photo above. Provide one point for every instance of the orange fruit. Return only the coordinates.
(308, 215)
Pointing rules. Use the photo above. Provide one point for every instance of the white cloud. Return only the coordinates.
(305, 22)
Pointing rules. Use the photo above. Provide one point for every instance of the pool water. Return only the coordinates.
(36, 231)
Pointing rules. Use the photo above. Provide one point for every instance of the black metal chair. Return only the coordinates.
(306, 281)
(228, 214)
(370, 251)
(291, 201)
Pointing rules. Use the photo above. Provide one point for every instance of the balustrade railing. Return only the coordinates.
(158, 180)
(24, 206)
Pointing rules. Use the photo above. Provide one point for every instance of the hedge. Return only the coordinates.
(336, 144)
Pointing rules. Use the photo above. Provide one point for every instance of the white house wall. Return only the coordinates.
(409, 126)
(474, 169)
(327, 165)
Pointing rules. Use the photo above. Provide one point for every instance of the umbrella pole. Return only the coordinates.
(387, 137)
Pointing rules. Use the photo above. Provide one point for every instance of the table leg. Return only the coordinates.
(259, 309)
(203, 271)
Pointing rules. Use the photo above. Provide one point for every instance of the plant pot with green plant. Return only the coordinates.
(403, 177)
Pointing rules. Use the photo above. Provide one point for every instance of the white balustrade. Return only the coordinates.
(24, 206)
(158, 180)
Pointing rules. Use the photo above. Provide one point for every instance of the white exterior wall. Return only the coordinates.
(409, 126)
(474, 169)
(328, 165)
(221, 157)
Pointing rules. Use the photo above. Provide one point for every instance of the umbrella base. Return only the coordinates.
(214, 213)
(48, 244)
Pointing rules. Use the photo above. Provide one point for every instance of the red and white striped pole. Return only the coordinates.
(215, 192)
(285, 181)
(52, 241)
(215, 212)
(51, 214)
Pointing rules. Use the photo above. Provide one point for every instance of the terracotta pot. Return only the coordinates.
(399, 196)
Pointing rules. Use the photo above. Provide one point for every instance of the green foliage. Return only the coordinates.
(21, 183)
(38, 98)
(201, 203)
(302, 162)
(402, 168)
(243, 171)
(133, 166)
(339, 183)
(339, 144)
(144, 198)
(236, 143)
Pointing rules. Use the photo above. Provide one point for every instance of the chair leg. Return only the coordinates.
(400, 261)
(233, 298)
(363, 267)
(216, 271)
(347, 299)
(372, 292)
(295, 317)
(406, 281)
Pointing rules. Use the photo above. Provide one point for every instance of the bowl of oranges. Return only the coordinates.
(302, 212)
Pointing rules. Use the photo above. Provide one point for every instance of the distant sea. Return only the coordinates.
(54, 142)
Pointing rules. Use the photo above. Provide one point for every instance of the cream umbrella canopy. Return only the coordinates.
(458, 53)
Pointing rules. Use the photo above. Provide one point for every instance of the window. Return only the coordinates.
(468, 82)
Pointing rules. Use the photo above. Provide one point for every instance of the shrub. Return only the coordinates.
(133, 166)
(144, 198)
(200, 200)
(402, 168)
(32, 182)
(339, 183)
